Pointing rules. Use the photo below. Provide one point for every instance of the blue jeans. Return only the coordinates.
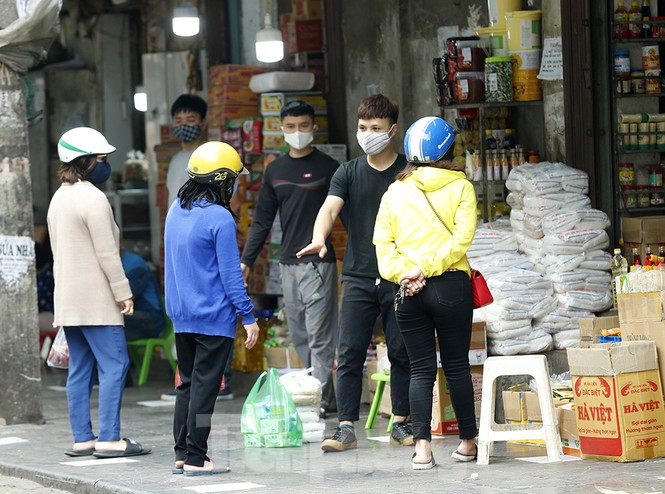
(106, 347)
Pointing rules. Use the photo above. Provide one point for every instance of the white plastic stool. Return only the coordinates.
(490, 431)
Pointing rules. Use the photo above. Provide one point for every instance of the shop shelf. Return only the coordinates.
(637, 151)
(630, 95)
(643, 210)
(491, 105)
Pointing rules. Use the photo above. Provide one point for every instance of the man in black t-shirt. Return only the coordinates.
(358, 187)
(296, 185)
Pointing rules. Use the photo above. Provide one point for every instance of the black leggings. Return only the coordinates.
(444, 306)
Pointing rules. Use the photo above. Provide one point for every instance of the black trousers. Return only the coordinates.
(361, 303)
(201, 361)
(444, 306)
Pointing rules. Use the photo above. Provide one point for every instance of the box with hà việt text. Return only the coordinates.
(618, 400)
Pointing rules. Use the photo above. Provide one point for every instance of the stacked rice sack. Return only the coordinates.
(538, 303)
(306, 391)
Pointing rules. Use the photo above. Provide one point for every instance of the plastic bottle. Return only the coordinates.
(619, 266)
(634, 19)
(646, 16)
(508, 140)
(505, 165)
(489, 164)
(490, 141)
(620, 15)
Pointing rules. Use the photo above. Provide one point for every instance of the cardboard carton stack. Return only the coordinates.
(272, 104)
(642, 232)
(229, 96)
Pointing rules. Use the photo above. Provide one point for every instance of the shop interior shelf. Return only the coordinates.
(637, 151)
(639, 40)
(632, 95)
(643, 210)
(492, 105)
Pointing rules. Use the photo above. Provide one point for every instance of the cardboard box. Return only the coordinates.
(590, 328)
(369, 385)
(272, 103)
(307, 9)
(641, 319)
(232, 74)
(282, 358)
(302, 35)
(567, 418)
(443, 415)
(618, 398)
(335, 151)
(232, 94)
(642, 231)
(218, 115)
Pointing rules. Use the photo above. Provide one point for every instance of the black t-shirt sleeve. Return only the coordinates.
(339, 185)
(264, 215)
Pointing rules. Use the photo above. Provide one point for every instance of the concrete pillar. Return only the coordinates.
(555, 125)
(20, 400)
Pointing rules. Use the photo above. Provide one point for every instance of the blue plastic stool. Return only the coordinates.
(374, 410)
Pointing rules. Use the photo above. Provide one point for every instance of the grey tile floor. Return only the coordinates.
(375, 466)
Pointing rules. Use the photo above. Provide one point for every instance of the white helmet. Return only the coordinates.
(82, 141)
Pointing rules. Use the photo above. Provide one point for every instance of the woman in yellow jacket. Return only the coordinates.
(424, 227)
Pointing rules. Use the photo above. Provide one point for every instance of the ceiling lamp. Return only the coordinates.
(269, 44)
(140, 99)
(185, 20)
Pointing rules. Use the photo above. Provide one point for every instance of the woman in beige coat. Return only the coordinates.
(91, 294)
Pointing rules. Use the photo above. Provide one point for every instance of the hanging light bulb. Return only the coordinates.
(269, 44)
(140, 99)
(185, 20)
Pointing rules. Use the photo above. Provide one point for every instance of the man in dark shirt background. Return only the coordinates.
(296, 185)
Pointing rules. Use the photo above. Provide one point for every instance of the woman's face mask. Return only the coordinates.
(374, 142)
(186, 133)
(100, 173)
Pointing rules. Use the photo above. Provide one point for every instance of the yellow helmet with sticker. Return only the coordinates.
(214, 162)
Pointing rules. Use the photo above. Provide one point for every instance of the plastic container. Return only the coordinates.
(469, 87)
(471, 56)
(656, 177)
(643, 196)
(524, 28)
(499, 79)
(497, 10)
(526, 85)
(637, 82)
(621, 63)
(532, 156)
(626, 174)
(650, 57)
(497, 40)
(629, 196)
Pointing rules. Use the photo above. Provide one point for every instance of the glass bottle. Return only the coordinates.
(490, 140)
(646, 16)
(637, 261)
(619, 266)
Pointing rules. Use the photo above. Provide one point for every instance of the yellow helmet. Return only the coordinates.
(214, 162)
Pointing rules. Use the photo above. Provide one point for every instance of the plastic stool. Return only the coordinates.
(490, 431)
(374, 410)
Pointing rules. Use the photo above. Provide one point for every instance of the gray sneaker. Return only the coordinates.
(401, 434)
(343, 439)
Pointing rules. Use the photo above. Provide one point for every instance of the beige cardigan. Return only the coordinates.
(89, 278)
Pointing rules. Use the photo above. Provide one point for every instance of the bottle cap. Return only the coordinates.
(617, 251)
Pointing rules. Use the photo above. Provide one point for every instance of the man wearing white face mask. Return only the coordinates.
(358, 187)
(296, 185)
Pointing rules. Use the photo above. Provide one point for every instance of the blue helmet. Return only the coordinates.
(428, 139)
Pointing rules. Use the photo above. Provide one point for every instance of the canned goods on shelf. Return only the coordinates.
(643, 196)
(626, 174)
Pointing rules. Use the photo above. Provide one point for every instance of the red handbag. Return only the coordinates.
(481, 292)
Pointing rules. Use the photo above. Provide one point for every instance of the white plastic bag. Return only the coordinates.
(58, 356)
(303, 388)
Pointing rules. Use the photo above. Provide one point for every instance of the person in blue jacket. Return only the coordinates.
(205, 294)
